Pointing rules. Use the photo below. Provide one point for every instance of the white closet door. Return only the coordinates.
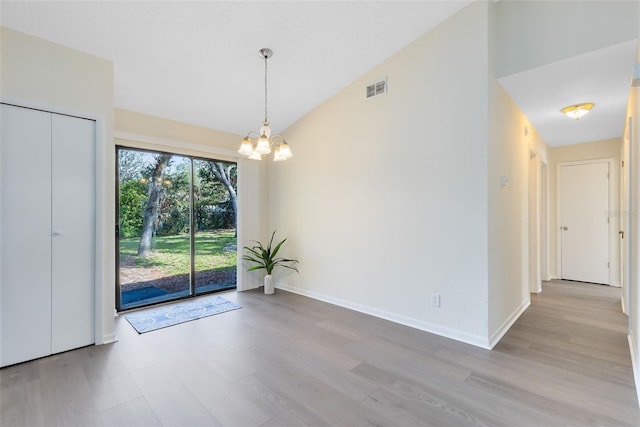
(25, 234)
(72, 222)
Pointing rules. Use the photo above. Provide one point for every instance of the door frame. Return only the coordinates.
(102, 307)
(612, 222)
(544, 221)
(534, 226)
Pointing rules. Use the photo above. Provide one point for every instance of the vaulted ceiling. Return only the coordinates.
(198, 62)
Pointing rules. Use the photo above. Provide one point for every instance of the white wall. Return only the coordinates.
(609, 148)
(385, 201)
(134, 129)
(508, 222)
(633, 112)
(511, 246)
(535, 33)
(41, 74)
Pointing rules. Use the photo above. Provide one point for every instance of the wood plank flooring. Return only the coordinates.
(286, 360)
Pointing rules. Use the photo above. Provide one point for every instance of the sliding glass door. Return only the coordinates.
(215, 207)
(176, 227)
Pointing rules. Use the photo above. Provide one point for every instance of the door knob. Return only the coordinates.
(565, 228)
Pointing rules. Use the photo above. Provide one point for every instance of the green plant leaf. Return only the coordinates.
(254, 255)
(253, 259)
(251, 250)
(277, 248)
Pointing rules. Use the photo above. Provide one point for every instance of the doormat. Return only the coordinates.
(169, 315)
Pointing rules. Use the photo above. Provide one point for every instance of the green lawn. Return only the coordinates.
(171, 253)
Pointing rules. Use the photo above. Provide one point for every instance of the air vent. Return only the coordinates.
(377, 88)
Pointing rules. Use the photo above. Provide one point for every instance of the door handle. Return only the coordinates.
(57, 233)
(621, 233)
(565, 228)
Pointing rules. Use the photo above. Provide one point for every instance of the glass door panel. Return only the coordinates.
(154, 227)
(215, 212)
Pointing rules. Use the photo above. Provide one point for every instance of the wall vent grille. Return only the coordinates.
(377, 88)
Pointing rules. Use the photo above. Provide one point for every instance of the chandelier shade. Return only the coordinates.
(258, 144)
(246, 147)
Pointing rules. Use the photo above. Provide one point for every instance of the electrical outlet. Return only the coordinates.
(435, 300)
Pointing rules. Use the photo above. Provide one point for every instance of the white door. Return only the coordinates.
(25, 234)
(584, 226)
(47, 211)
(72, 222)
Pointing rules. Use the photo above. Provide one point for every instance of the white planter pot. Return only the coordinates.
(268, 284)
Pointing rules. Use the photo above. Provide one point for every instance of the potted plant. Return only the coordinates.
(267, 258)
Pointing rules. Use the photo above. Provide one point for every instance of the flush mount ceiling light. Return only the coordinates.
(578, 111)
(257, 144)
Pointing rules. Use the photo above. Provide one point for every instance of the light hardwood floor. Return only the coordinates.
(288, 360)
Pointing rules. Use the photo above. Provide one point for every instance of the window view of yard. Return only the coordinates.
(161, 197)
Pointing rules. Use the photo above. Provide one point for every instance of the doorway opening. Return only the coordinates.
(177, 227)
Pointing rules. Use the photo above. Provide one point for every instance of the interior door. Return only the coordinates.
(584, 226)
(25, 234)
(73, 231)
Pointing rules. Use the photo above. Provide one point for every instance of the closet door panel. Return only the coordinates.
(25, 234)
(73, 214)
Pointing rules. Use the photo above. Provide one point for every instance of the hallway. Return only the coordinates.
(574, 336)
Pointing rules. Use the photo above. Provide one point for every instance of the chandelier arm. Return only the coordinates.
(272, 140)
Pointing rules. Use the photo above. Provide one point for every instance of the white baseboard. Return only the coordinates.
(497, 335)
(478, 341)
(635, 362)
(108, 339)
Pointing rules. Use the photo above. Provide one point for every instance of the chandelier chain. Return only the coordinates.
(265, 90)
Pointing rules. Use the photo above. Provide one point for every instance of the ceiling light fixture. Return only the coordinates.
(255, 144)
(578, 111)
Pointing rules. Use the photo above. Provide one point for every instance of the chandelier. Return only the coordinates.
(257, 144)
